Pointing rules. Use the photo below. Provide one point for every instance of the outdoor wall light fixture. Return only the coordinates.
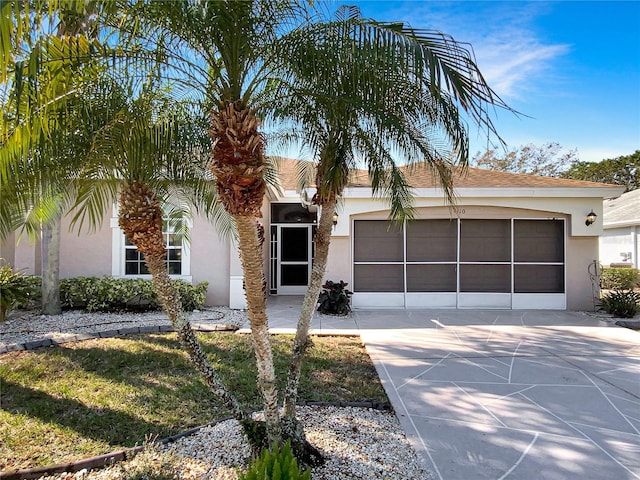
(591, 218)
(335, 219)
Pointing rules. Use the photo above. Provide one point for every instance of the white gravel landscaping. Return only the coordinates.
(28, 326)
(358, 443)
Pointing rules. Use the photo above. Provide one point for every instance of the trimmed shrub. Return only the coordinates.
(277, 465)
(618, 278)
(192, 296)
(34, 284)
(619, 303)
(15, 289)
(108, 294)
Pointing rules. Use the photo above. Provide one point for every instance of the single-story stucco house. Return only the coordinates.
(621, 225)
(511, 242)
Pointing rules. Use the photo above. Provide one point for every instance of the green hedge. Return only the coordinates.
(619, 278)
(108, 294)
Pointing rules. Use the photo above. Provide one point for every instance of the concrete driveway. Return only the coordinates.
(517, 395)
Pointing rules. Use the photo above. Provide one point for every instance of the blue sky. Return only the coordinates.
(572, 67)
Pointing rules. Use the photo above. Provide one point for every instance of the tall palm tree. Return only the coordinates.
(355, 95)
(233, 53)
(236, 44)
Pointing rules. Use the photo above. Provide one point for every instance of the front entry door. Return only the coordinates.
(294, 258)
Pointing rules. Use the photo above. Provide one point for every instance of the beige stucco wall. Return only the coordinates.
(574, 208)
(210, 260)
(87, 254)
(339, 261)
(581, 251)
(92, 254)
(8, 249)
(27, 255)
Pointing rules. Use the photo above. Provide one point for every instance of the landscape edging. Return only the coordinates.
(101, 461)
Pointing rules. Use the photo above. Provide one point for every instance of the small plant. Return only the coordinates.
(335, 299)
(618, 278)
(621, 303)
(277, 465)
(15, 289)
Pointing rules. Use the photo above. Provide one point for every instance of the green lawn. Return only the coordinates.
(65, 403)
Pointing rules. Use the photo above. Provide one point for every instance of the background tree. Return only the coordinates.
(44, 65)
(624, 170)
(548, 160)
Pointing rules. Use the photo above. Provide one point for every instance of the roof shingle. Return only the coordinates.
(422, 177)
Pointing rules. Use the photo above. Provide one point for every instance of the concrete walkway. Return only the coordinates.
(503, 394)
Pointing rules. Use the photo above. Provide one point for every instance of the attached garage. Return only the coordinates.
(510, 242)
(460, 263)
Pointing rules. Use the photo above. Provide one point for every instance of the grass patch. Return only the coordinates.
(66, 403)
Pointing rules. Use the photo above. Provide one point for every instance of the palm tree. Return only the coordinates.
(354, 94)
(45, 117)
(236, 42)
(230, 34)
(233, 53)
(145, 164)
(245, 48)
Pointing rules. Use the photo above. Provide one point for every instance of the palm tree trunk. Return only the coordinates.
(252, 264)
(301, 341)
(50, 247)
(140, 217)
(170, 300)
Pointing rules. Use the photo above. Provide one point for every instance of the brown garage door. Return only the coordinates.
(461, 262)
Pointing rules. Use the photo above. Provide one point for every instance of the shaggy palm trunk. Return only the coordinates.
(140, 218)
(252, 264)
(238, 163)
(301, 341)
(291, 427)
(50, 249)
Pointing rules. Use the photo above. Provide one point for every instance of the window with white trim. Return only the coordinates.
(134, 260)
(129, 262)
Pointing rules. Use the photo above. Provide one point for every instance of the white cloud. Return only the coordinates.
(512, 57)
(513, 67)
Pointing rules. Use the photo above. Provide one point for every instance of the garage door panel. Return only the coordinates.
(484, 300)
(538, 301)
(538, 241)
(378, 278)
(485, 241)
(431, 278)
(377, 241)
(465, 263)
(485, 278)
(538, 279)
(432, 241)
